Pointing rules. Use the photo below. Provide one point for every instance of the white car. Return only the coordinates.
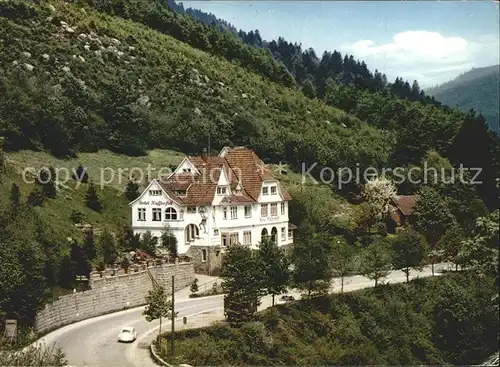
(128, 334)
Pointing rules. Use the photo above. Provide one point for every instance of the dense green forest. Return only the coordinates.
(476, 89)
(310, 71)
(444, 320)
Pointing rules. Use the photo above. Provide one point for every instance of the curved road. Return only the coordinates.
(94, 342)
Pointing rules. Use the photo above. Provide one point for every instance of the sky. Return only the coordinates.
(430, 41)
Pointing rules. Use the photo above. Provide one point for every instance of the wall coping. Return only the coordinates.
(156, 357)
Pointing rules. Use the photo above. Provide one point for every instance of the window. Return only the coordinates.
(247, 238)
(141, 214)
(274, 235)
(283, 233)
(234, 212)
(203, 255)
(282, 208)
(233, 238)
(221, 190)
(155, 192)
(191, 209)
(156, 214)
(224, 212)
(216, 232)
(263, 234)
(274, 210)
(170, 214)
(180, 192)
(186, 170)
(290, 234)
(225, 239)
(263, 210)
(273, 190)
(265, 191)
(248, 211)
(191, 232)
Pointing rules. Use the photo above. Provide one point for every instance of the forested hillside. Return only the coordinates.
(435, 321)
(128, 88)
(476, 89)
(310, 71)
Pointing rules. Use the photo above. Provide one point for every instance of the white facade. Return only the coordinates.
(219, 223)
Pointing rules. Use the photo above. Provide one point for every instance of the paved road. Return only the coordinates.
(93, 342)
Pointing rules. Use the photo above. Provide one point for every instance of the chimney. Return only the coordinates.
(204, 155)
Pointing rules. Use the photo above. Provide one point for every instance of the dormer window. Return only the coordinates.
(186, 170)
(221, 190)
(155, 192)
(191, 210)
(180, 192)
(265, 191)
(273, 190)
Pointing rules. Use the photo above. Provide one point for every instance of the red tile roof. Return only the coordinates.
(240, 164)
(405, 203)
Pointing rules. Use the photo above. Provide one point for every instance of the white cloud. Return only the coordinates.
(429, 57)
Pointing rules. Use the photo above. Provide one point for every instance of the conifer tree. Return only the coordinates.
(275, 268)
(35, 197)
(92, 199)
(132, 190)
(169, 243)
(89, 251)
(81, 174)
(108, 247)
(15, 196)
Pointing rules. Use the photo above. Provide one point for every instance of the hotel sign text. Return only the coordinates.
(156, 202)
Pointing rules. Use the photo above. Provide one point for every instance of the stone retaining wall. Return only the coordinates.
(112, 293)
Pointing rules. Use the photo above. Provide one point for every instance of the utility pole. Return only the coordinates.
(173, 318)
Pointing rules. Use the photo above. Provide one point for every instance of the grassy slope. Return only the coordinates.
(56, 213)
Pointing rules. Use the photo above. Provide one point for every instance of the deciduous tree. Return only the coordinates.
(148, 243)
(342, 260)
(242, 283)
(275, 267)
(158, 306)
(449, 243)
(378, 192)
(432, 216)
(311, 264)
(409, 249)
(168, 242)
(376, 260)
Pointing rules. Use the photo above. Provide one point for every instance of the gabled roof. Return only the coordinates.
(405, 203)
(250, 169)
(240, 164)
(166, 191)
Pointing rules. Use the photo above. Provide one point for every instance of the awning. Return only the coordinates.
(292, 226)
